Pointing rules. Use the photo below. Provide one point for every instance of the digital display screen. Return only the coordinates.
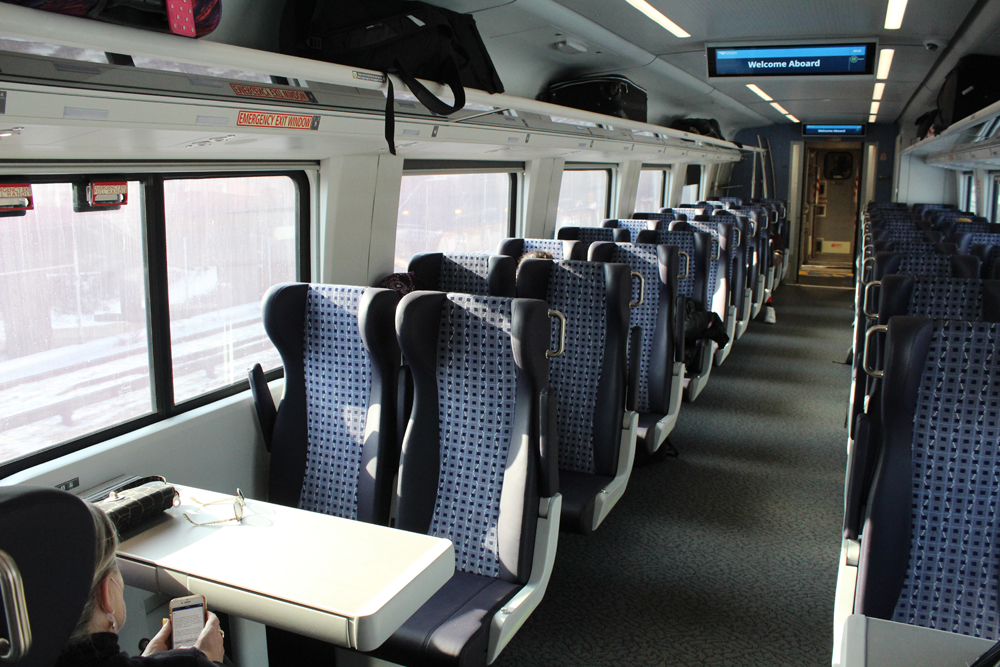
(833, 130)
(807, 60)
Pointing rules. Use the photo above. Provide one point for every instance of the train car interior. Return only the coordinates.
(499, 332)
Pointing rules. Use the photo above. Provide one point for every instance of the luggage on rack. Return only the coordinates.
(970, 87)
(402, 37)
(707, 127)
(190, 18)
(608, 94)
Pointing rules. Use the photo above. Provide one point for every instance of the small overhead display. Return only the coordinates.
(805, 60)
(833, 130)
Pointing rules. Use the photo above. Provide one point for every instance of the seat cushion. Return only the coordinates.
(453, 627)
(579, 490)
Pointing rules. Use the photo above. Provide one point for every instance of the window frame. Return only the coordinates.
(154, 250)
(590, 166)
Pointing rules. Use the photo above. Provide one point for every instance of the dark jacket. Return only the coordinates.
(101, 650)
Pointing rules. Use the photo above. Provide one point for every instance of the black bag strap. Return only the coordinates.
(453, 79)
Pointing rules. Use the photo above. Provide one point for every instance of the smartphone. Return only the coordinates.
(187, 617)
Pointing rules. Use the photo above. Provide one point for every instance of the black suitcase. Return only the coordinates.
(608, 94)
(707, 127)
(973, 85)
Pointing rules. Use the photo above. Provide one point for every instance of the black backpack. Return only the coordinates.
(409, 39)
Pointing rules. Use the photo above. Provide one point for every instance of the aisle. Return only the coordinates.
(728, 555)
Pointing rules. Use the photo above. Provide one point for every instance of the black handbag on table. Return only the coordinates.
(406, 38)
(137, 501)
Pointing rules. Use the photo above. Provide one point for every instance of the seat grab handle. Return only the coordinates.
(687, 264)
(549, 354)
(874, 372)
(865, 304)
(642, 290)
(16, 609)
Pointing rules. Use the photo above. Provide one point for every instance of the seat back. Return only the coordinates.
(913, 247)
(47, 537)
(633, 226)
(654, 314)
(939, 265)
(928, 554)
(560, 249)
(965, 241)
(469, 273)
(473, 468)
(589, 377)
(341, 359)
(700, 275)
(724, 240)
(588, 235)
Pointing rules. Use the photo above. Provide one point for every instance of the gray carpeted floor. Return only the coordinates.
(727, 555)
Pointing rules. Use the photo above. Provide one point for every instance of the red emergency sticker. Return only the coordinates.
(16, 197)
(272, 93)
(277, 120)
(108, 194)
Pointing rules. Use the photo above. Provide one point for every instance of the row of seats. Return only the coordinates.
(501, 402)
(921, 482)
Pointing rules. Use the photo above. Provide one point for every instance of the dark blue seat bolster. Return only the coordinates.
(491, 275)
(588, 235)
(453, 627)
(579, 491)
(560, 249)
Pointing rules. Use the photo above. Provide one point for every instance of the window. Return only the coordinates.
(453, 213)
(970, 193)
(994, 215)
(228, 241)
(649, 198)
(691, 192)
(111, 320)
(583, 198)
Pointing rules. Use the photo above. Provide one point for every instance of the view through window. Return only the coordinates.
(583, 198)
(451, 213)
(649, 198)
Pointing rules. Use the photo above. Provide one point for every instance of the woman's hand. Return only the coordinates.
(161, 642)
(210, 640)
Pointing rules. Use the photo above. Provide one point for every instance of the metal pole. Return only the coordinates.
(774, 176)
(753, 180)
(763, 166)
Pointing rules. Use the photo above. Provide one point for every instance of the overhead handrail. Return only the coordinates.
(16, 610)
(549, 354)
(874, 372)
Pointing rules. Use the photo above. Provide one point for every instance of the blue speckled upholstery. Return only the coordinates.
(947, 298)
(338, 383)
(986, 239)
(643, 260)
(635, 226)
(577, 290)
(953, 574)
(552, 246)
(685, 241)
(594, 234)
(466, 273)
(477, 380)
(925, 265)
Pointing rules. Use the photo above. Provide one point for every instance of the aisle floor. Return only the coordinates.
(727, 555)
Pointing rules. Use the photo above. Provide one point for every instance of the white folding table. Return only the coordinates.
(345, 582)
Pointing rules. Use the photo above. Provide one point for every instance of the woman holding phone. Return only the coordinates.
(94, 642)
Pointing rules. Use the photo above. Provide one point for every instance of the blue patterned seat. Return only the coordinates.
(656, 361)
(475, 469)
(468, 273)
(588, 235)
(559, 249)
(903, 295)
(698, 282)
(745, 267)
(595, 450)
(340, 358)
(929, 550)
(634, 226)
(965, 241)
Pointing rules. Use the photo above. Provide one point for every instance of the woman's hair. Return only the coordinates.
(534, 254)
(106, 544)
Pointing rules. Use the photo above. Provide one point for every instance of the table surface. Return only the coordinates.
(335, 566)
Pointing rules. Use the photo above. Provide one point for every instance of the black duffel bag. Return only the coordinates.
(707, 127)
(408, 39)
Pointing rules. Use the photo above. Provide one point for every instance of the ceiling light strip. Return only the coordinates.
(874, 110)
(760, 92)
(871, 119)
(792, 118)
(653, 13)
(884, 63)
(780, 108)
(879, 89)
(894, 14)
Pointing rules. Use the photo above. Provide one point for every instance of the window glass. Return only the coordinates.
(996, 199)
(203, 70)
(53, 50)
(451, 213)
(73, 350)
(228, 241)
(970, 193)
(649, 198)
(583, 198)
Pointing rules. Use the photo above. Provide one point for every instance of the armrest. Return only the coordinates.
(404, 403)
(263, 402)
(548, 441)
(679, 330)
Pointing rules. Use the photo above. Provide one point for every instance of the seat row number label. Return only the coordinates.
(272, 93)
(285, 121)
